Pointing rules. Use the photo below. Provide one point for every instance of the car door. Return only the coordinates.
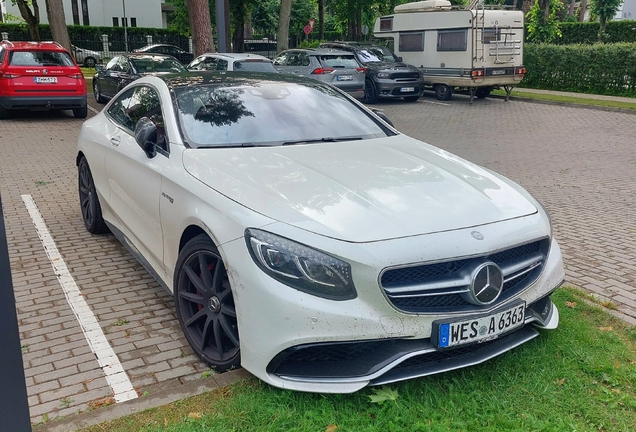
(134, 179)
(110, 77)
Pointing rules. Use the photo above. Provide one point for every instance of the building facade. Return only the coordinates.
(108, 13)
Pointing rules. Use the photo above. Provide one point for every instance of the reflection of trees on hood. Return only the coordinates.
(223, 108)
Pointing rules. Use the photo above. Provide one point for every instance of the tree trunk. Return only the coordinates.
(32, 18)
(228, 40)
(582, 11)
(359, 23)
(199, 16)
(601, 33)
(321, 19)
(572, 8)
(59, 31)
(283, 25)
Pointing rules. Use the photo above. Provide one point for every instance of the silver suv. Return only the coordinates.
(339, 68)
(387, 76)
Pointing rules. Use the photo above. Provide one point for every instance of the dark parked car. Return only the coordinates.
(387, 76)
(126, 68)
(183, 56)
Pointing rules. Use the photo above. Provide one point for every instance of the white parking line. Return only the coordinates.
(435, 103)
(115, 375)
(92, 109)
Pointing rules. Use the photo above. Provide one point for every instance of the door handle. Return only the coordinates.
(115, 141)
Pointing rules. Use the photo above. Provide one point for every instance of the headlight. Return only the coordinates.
(300, 267)
(384, 75)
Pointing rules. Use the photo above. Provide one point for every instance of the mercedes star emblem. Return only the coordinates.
(486, 284)
(477, 235)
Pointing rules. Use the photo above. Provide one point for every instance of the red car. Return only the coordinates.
(42, 76)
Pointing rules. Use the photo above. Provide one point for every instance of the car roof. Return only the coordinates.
(236, 56)
(157, 45)
(321, 51)
(39, 46)
(185, 79)
(146, 55)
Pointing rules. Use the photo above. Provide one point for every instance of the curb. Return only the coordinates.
(160, 394)
(566, 104)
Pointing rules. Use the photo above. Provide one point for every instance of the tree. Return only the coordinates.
(32, 17)
(542, 21)
(321, 19)
(200, 24)
(57, 21)
(604, 10)
(284, 16)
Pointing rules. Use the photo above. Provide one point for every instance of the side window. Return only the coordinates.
(304, 59)
(112, 64)
(118, 111)
(451, 40)
(210, 63)
(411, 42)
(123, 65)
(280, 60)
(221, 65)
(491, 35)
(145, 103)
(293, 59)
(196, 64)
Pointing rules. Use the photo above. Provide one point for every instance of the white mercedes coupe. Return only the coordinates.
(307, 240)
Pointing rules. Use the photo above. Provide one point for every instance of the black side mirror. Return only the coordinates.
(383, 116)
(146, 136)
(399, 59)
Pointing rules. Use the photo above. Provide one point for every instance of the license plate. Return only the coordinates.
(46, 80)
(499, 72)
(479, 329)
(407, 89)
(344, 78)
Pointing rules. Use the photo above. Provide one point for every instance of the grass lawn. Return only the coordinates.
(581, 377)
(568, 99)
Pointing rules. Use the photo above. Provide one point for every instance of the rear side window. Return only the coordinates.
(254, 66)
(40, 58)
(451, 40)
(119, 110)
(339, 61)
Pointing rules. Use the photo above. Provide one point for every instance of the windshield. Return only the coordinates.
(41, 58)
(269, 113)
(255, 66)
(156, 64)
(375, 54)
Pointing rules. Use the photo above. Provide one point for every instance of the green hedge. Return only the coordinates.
(599, 69)
(587, 32)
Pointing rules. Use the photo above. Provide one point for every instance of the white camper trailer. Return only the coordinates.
(474, 48)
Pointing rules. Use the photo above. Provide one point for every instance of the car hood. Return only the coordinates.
(390, 66)
(360, 191)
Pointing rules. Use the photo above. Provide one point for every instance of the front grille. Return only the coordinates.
(439, 287)
(405, 75)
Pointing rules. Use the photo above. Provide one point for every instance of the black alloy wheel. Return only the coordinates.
(205, 304)
(97, 92)
(89, 203)
(443, 92)
(89, 62)
(370, 93)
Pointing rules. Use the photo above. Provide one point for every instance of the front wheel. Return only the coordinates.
(89, 62)
(370, 93)
(91, 210)
(97, 92)
(443, 92)
(205, 304)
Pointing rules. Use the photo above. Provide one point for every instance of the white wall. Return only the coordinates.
(101, 12)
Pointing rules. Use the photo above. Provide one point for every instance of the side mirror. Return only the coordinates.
(383, 116)
(146, 136)
(400, 59)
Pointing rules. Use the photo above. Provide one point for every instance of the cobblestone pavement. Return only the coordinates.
(579, 162)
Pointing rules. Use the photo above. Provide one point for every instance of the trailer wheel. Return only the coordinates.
(443, 92)
(483, 92)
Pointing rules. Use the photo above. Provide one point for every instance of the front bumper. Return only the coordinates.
(390, 89)
(275, 319)
(43, 102)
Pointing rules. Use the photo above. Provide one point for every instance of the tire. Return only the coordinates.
(90, 62)
(4, 113)
(98, 93)
(483, 92)
(205, 304)
(370, 93)
(443, 92)
(89, 203)
(412, 98)
(80, 112)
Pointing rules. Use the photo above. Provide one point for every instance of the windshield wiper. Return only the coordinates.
(325, 139)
